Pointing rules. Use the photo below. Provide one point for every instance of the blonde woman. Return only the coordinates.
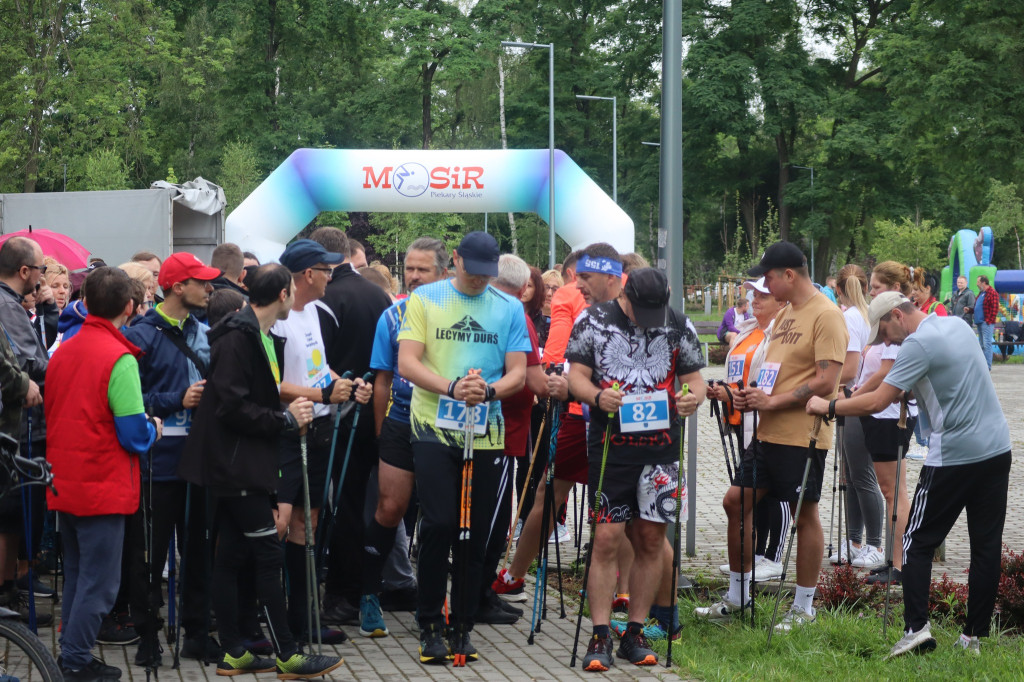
(884, 440)
(141, 273)
(864, 501)
(59, 281)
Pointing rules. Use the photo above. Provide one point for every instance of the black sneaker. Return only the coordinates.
(433, 647)
(202, 648)
(306, 666)
(246, 663)
(38, 589)
(338, 611)
(598, 658)
(633, 647)
(885, 576)
(94, 671)
(327, 636)
(492, 613)
(458, 643)
(19, 603)
(148, 653)
(259, 645)
(115, 634)
(509, 608)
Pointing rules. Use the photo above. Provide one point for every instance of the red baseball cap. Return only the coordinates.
(182, 266)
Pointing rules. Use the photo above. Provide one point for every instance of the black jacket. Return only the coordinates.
(233, 442)
(356, 304)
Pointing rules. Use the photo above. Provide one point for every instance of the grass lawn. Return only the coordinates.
(840, 646)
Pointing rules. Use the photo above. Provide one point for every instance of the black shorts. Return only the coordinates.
(318, 451)
(395, 444)
(780, 470)
(883, 436)
(635, 490)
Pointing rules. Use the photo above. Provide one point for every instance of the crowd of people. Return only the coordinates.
(267, 428)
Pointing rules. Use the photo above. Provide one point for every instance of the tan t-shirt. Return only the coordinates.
(803, 336)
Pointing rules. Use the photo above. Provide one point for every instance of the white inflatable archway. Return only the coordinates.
(457, 181)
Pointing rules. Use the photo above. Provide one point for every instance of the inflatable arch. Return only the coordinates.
(456, 181)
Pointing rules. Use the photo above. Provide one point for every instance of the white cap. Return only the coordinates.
(881, 306)
(757, 285)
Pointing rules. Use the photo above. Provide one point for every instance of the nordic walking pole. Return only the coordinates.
(753, 565)
(26, 504)
(596, 512)
(796, 516)
(334, 445)
(676, 534)
(465, 524)
(147, 553)
(743, 514)
(832, 517)
(540, 588)
(716, 412)
(312, 588)
(902, 424)
(180, 574)
(522, 496)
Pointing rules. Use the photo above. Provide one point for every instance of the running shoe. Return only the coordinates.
(796, 617)
(306, 666)
(839, 556)
(148, 653)
(598, 658)
(93, 671)
(518, 531)
(111, 632)
(766, 569)
(202, 648)
(371, 617)
(246, 663)
(560, 534)
(969, 644)
(725, 568)
(621, 602)
(652, 631)
(433, 647)
(509, 588)
(459, 643)
(917, 452)
(719, 612)
(633, 647)
(328, 635)
(492, 611)
(919, 642)
(869, 557)
(895, 576)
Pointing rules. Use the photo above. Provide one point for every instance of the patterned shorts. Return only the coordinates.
(629, 490)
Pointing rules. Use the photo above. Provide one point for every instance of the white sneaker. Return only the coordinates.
(562, 532)
(719, 612)
(796, 617)
(519, 530)
(969, 644)
(766, 569)
(917, 452)
(725, 568)
(920, 641)
(869, 557)
(839, 556)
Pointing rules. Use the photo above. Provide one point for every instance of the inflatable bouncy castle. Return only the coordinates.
(970, 254)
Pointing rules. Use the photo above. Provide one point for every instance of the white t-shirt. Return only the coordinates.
(873, 357)
(305, 357)
(858, 329)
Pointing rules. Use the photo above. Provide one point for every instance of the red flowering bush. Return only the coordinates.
(1010, 598)
(948, 599)
(844, 586)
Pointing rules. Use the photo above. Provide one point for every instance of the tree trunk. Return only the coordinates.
(504, 145)
(782, 148)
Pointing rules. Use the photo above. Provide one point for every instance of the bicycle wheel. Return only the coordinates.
(24, 656)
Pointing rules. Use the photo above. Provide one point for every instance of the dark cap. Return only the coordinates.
(647, 290)
(779, 255)
(479, 253)
(305, 253)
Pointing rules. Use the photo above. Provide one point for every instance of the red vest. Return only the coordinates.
(93, 474)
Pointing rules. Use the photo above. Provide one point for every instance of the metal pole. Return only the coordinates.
(485, 223)
(551, 155)
(671, 184)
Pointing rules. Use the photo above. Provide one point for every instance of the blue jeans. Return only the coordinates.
(92, 575)
(986, 335)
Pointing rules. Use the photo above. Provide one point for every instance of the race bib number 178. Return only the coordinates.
(451, 415)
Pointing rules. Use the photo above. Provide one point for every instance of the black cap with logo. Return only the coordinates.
(647, 289)
(779, 255)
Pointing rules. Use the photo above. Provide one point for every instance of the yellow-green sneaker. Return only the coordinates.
(306, 666)
(246, 663)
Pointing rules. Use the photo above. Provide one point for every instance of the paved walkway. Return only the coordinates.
(505, 655)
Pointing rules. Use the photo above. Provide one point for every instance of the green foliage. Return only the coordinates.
(103, 170)
(1005, 215)
(239, 172)
(395, 231)
(920, 245)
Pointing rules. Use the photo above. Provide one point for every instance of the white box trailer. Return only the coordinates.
(114, 225)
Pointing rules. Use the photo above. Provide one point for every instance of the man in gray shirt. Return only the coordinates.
(968, 463)
(961, 301)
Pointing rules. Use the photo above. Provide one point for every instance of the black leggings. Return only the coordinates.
(247, 541)
(438, 479)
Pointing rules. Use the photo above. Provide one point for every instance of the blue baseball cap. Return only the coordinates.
(479, 253)
(305, 253)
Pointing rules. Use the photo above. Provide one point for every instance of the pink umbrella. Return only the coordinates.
(60, 246)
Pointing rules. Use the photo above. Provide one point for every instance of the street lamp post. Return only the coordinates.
(810, 168)
(550, 47)
(615, 142)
